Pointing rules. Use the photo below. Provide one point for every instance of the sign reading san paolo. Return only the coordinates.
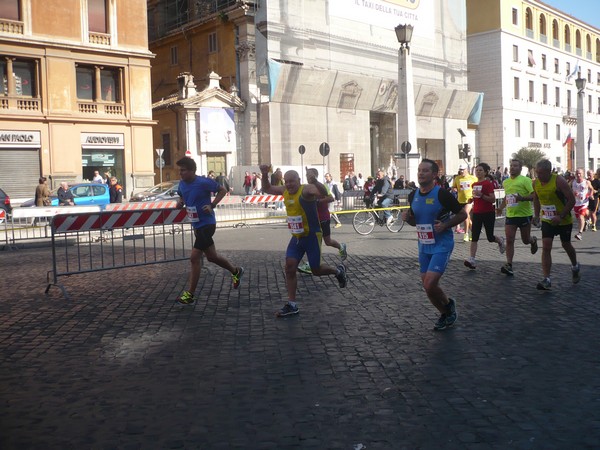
(387, 13)
(9, 138)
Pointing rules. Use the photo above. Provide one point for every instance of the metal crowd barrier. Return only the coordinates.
(97, 241)
(34, 223)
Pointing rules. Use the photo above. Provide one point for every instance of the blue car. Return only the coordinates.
(85, 194)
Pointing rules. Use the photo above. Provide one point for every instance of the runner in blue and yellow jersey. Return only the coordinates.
(434, 211)
(303, 222)
(554, 199)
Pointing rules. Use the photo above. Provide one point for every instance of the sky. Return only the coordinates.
(587, 11)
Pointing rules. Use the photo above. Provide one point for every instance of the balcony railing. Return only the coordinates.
(100, 108)
(99, 38)
(20, 103)
(11, 26)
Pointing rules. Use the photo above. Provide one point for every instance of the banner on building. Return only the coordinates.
(216, 130)
(387, 13)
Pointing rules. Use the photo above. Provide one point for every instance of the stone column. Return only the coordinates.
(248, 132)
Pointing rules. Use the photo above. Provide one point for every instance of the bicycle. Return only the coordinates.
(364, 221)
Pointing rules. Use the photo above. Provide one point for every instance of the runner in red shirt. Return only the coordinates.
(484, 212)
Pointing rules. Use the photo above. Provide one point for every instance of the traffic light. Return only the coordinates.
(461, 152)
(467, 152)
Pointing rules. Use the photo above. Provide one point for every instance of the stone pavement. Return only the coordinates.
(122, 365)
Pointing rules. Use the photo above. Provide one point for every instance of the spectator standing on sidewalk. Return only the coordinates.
(247, 183)
(554, 199)
(115, 191)
(223, 182)
(337, 195)
(431, 211)
(303, 222)
(42, 193)
(518, 194)
(195, 194)
(484, 213)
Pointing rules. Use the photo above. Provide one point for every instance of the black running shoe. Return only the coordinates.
(287, 310)
(534, 245)
(507, 269)
(544, 285)
(341, 275)
(575, 272)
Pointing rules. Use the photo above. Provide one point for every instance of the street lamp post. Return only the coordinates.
(406, 124)
(580, 143)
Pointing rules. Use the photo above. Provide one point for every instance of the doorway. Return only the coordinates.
(216, 163)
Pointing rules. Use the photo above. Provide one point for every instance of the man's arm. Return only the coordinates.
(450, 203)
(536, 209)
(563, 186)
(222, 192)
(267, 187)
(314, 188)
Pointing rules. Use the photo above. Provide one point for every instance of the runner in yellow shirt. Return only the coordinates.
(463, 186)
(554, 199)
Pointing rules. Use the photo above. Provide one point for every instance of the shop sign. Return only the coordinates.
(97, 140)
(10, 138)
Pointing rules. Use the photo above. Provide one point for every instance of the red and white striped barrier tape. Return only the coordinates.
(119, 219)
(140, 205)
(263, 198)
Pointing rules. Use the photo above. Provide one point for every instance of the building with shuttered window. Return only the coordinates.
(526, 56)
(74, 93)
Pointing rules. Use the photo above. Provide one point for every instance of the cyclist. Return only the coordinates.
(382, 191)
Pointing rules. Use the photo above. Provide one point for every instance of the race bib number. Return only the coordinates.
(295, 224)
(192, 213)
(511, 201)
(425, 233)
(465, 185)
(548, 211)
(477, 191)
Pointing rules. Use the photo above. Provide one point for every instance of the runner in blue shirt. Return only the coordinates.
(195, 193)
(434, 211)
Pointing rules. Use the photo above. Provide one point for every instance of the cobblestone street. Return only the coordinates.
(122, 365)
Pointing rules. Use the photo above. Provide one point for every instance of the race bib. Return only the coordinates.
(425, 233)
(477, 191)
(511, 201)
(295, 224)
(548, 211)
(192, 213)
(465, 185)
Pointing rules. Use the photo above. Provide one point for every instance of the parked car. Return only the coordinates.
(85, 194)
(163, 191)
(4, 205)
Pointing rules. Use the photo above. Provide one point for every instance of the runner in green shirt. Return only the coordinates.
(518, 191)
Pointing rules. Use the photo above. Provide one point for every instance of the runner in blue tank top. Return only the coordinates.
(434, 211)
